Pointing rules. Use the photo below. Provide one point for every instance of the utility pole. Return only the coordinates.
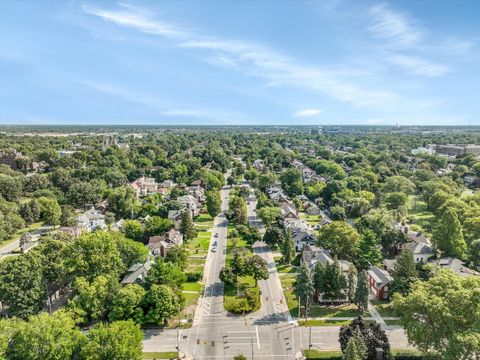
(306, 308)
(299, 306)
(310, 339)
(178, 334)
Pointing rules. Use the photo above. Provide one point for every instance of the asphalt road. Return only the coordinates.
(35, 234)
(267, 334)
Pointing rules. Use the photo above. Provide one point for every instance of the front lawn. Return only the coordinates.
(160, 355)
(347, 310)
(385, 308)
(423, 218)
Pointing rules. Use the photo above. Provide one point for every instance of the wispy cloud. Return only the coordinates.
(395, 28)
(307, 113)
(122, 93)
(253, 60)
(138, 19)
(418, 66)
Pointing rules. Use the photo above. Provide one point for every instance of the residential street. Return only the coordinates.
(268, 333)
(15, 244)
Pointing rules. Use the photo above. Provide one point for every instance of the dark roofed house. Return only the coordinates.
(159, 245)
(137, 273)
(379, 281)
(455, 265)
(288, 212)
(300, 238)
(421, 252)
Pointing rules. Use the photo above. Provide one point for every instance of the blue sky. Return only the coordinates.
(240, 62)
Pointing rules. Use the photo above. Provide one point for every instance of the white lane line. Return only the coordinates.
(258, 339)
(293, 342)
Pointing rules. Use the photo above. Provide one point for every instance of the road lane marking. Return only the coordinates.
(258, 339)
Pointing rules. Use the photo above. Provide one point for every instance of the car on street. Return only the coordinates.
(214, 249)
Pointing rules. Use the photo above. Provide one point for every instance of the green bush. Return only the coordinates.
(194, 276)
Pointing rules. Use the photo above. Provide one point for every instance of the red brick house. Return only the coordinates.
(379, 281)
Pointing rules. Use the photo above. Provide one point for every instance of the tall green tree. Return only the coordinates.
(339, 237)
(214, 202)
(177, 255)
(440, 316)
(287, 248)
(304, 288)
(448, 235)
(273, 236)
(257, 267)
(186, 226)
(51, 211)
(22, 288)
(95, 254)
(94, 298)
(46, 337)
(404, 272)
(351, 283)
(329, 280)
(368, 251)
(356, 348)
(292, 182)
(162, 303)
(127, 304)
(361, 292)
(373, 336)
(269, 215)
(117, 340)
(165, 273)
(133, 229)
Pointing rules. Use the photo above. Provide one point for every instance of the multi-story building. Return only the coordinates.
(455, 150)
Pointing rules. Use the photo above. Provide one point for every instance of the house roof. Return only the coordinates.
(455, 265)
(381, 277)
(419, 248)
(137, 272)
(299, 236)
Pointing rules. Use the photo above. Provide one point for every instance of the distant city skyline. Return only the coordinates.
(240, 63)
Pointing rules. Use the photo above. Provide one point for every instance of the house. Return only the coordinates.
(259, 165)
(174, 215)
(471, 180)
(324, 220)
(301, 238)
(295, 225)
(455, 265)
(421, 252)
(144, 186)
(167, 184)
(312, 209)
(276, 193)
(379, 281)
(118, 225)
(159, 245)
(137, 273)
(13, 159)
(413, 236)
(312, 254)
(389, 264)
(288, 212)
(91, 220)
(70, 230)
(190, 203)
